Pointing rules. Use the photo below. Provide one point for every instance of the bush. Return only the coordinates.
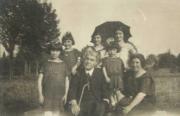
(19, 95)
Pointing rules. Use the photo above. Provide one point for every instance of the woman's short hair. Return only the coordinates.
(94, 34)
(140, 57)
(68, 36)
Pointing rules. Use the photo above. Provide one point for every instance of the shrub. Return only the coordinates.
(19, 95)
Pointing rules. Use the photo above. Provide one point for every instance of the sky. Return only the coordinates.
(155, 24)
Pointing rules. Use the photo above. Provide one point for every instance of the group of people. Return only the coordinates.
(106, 79)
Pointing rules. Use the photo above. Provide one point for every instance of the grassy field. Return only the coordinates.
(20, 95)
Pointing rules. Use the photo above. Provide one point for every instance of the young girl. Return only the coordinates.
(113, 70)
(98, 44)
(70, 55)
(53, 83)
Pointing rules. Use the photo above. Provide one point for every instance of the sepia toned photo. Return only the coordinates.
(89, 58)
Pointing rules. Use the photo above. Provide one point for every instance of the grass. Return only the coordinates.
(20, 94)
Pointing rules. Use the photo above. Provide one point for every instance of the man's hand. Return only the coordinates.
(106, 100)
(75, 109)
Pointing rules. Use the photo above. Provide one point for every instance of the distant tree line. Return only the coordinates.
(153, 62)
(164, 60)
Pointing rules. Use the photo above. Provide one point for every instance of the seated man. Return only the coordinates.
(88, 90)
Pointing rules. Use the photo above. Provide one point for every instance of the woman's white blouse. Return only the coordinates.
(124, 53)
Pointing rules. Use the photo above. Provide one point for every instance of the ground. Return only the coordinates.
(22, 93)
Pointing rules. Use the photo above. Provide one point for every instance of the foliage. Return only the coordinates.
(28, 23)
(167, 60)
(152, 62)
(19, 94)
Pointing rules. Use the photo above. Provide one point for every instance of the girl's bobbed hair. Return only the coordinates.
(113, 45)
(55, 47)
(68, 36)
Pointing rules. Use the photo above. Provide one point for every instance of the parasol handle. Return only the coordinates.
(82, 93)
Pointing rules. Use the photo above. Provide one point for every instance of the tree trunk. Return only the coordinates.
(37, 68)
(11, 65)
(29, 69)
(10, 48)
(25, 68)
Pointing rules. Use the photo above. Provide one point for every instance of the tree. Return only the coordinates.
(167, 60)
(178, 61)
(29, 24)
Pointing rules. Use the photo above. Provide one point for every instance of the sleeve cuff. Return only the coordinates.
(72, 102)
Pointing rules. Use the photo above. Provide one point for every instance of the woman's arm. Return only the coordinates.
(64, 99)
(139, 97)
(66, 85)
(106, 75)
(40, 78)
(41, 97)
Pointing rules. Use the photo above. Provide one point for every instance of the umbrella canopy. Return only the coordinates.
(108, 29)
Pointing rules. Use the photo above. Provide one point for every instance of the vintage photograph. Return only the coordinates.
(89, 58)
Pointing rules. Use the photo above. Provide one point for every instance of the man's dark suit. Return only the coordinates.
(92, 101)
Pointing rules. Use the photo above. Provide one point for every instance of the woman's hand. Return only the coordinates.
(78, 61)
(126, 109)
(106, 75)
(74, 68)
(108, 79)
(139, 97)
(41, 99)
(64, 99)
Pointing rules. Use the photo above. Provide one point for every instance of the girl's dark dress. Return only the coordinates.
(114, 68)
(70, 58)
(54, 84)
(145, 84)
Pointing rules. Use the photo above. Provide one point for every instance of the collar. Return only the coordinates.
(71, 49)
(99, 48)
(90, 72)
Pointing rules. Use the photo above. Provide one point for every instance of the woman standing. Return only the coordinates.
(127, 48)
(140, 85)
(70, 55)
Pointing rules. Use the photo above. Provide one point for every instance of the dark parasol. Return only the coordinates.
(108, 29)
